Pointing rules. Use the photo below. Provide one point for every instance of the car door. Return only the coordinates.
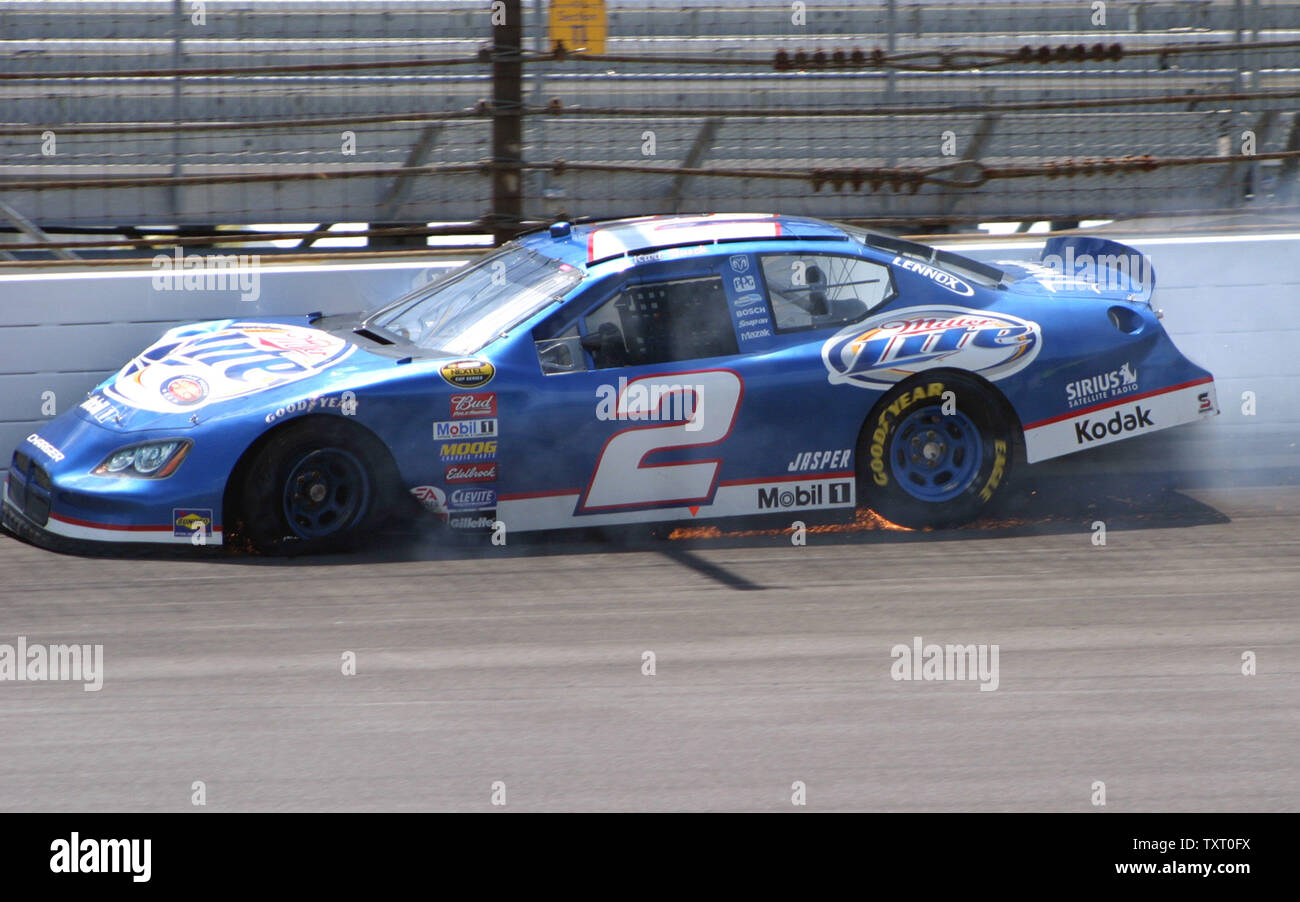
(638, 404)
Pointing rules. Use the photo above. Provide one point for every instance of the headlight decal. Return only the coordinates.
(146, 460)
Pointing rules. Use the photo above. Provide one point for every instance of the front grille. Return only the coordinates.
(29, 488)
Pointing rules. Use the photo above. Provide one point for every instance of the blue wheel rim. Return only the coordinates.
(935, 456)
(326, 493)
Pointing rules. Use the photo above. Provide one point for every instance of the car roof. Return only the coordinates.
(591, 243)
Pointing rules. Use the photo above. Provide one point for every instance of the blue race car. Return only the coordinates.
(654, 369)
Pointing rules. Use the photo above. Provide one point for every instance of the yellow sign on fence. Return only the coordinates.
(579, 24)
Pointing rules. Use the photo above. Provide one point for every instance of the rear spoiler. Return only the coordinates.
(1108, 263)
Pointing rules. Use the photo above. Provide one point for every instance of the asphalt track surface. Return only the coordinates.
(475, 664)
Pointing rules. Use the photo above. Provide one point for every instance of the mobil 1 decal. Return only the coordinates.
(749, 309)
(886, 349)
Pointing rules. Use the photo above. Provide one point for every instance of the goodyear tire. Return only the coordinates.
(316, 486)
(935, 452)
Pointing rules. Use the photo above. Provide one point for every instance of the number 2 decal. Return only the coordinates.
(668, 411)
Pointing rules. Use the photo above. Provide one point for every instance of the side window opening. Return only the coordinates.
(815, 291)
(562, 353)
(662, 322)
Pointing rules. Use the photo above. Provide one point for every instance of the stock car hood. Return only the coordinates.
(200, 371)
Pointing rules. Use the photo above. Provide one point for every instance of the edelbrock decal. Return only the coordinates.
(193, 367)
(889, 348)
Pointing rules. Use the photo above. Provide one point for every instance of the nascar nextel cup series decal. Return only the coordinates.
(468, 373)
(887, 349)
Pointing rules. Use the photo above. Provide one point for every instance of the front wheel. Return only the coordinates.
(314, 486)
(935, 452)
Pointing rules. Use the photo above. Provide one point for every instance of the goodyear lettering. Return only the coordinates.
(884, 423)
(999, 467)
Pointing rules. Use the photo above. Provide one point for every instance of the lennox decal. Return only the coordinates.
(936, 275)
(889, 348)
(196, 366)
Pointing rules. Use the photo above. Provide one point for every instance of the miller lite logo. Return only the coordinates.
(886, 349)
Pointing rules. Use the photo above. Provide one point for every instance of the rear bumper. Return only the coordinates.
(1121, 418)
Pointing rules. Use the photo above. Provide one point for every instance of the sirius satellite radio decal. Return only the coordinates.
(886, 349)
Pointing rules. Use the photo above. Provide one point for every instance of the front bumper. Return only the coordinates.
(52, 501)
(60, 532)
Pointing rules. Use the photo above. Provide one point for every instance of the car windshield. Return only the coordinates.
(464, 311)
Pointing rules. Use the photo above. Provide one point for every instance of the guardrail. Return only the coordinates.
(121, 114)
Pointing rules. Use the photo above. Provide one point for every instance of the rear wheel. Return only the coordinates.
(315, 486)
(936, 452)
